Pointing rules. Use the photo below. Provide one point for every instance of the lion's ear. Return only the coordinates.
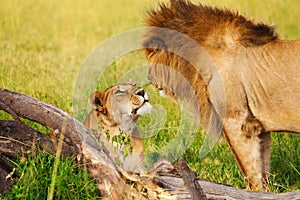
(96, 100)
(155, 44)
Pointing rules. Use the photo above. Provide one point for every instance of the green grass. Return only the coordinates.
(36, 174)
(42, 47)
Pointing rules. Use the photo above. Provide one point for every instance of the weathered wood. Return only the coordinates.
(7, 175)
(15, 141)
(163, 182)
(219, 191)
(190, 181)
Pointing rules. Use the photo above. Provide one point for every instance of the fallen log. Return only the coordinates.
(164, 181)
(7, 175)
(17, 141)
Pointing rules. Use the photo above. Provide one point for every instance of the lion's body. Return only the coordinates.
(270, 76)
(265, 81)
(259, 73)
(116, 111)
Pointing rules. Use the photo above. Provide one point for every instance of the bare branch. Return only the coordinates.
(190, 181)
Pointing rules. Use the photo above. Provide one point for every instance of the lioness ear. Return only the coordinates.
(96, 100)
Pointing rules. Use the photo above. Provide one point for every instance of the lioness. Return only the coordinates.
(116, 111)
(260, 75)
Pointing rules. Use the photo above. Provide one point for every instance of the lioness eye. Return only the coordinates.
(120, 92)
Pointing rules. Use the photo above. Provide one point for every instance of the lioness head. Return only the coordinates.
(119, 105)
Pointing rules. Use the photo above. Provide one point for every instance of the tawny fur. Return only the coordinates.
(259, 72)
(116, 111)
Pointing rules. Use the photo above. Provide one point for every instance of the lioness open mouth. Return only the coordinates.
(144, 109)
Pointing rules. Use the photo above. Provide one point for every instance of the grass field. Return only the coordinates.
(42, 47)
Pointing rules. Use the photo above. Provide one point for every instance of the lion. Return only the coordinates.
(115, 113)
(258, 72)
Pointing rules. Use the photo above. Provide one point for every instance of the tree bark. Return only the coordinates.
(165, 181)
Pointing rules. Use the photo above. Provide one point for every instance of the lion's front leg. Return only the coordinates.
(266, 157)
(252, 153)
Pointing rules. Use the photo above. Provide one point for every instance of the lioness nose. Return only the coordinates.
(140, 93)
